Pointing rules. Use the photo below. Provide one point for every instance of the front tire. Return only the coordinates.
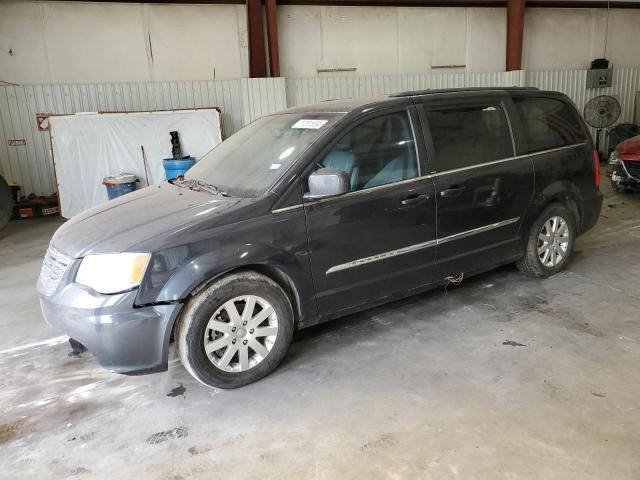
(6, 203)
(550, 242)
(236, 331)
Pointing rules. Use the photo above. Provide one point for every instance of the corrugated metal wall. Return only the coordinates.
(301, 91)
(30, 165)
(244, 100)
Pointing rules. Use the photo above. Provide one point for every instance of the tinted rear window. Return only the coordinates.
(548, 123)
(468, 135)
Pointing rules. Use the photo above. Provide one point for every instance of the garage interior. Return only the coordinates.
(501, 376)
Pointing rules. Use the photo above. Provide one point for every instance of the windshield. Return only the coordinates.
(251, 160)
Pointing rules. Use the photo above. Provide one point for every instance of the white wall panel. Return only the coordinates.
(565, 38)
(77, 42)
(23, 57)
(389, 40)
(299, 34)
(198, 41)
(486, 39)
(95, 42)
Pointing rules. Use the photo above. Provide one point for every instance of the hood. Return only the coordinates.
(629, 150)
(133, 219)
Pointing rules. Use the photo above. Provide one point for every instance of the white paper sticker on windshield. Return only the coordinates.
(275, 166)
(311, 124)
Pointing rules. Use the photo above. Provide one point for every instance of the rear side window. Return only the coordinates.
(548, 123)
(469, 135)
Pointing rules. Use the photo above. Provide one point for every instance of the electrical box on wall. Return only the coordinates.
(599, 77)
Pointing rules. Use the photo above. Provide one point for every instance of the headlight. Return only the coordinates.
(613, 158)
(112, 272)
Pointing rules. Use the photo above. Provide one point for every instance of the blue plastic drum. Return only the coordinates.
(175, 168)
(120, 184)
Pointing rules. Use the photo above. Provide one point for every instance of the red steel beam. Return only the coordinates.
(515, 32)
(255, 30)
(272, 37)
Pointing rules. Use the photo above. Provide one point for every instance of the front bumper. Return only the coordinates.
(625, 174)
(123, 338)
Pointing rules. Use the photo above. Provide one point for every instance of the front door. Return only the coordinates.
(482, 189)
(378, 239)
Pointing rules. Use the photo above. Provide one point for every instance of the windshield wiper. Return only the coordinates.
(198, 186)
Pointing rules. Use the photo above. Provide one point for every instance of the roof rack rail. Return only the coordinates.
(412, 93)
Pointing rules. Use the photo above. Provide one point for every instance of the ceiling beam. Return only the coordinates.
(411, 3)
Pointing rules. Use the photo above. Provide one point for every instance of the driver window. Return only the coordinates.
(376, 152)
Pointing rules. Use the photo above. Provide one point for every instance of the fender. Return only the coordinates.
(204, 268)
(562, 191)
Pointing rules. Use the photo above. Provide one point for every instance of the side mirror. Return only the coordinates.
(328, 182)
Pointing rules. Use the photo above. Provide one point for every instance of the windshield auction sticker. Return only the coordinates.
(310, 124)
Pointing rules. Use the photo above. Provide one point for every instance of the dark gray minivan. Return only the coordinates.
(318, 212)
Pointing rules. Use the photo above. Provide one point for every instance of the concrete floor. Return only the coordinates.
(502, 377)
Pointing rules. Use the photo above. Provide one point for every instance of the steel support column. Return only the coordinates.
(515, 31)
(272, 37)
(255, 29)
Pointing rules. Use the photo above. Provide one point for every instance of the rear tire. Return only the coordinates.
(236, 331)
(6, 203)
(550, 242)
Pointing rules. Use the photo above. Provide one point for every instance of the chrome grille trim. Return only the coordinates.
(632, 169)
(54, 266)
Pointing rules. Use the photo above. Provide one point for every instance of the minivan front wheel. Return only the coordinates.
(550, 242)
(235, 331)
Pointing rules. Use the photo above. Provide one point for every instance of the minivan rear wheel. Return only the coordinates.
(550, 242)
(235, 331)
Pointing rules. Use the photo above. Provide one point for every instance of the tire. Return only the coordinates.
(6, 203)
(536, 262)
(228, 366)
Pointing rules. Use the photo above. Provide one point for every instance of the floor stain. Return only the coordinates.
(600, 395)
(511, 343)
(9, 431)
(198, 450)
(80, 471)
(177, 391)
(382, 442)
(174, 433)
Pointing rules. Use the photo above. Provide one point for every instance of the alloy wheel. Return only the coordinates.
(241, 333)
(553, 241)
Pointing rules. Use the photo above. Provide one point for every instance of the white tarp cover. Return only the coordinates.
(90, 146)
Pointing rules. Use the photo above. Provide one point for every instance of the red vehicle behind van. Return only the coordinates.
(625, 159)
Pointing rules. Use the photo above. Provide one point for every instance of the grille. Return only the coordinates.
(633, 168)
(53, 267)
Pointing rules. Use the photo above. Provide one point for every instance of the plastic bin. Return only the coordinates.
(120, 184)
(175, 168)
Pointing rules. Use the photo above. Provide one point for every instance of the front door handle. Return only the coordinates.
(415, 199)
(454, 191)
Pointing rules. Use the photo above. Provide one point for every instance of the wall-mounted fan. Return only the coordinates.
(601, 112)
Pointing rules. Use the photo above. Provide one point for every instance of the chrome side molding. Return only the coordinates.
(485, 228)
(382, 256)
(420, 246)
